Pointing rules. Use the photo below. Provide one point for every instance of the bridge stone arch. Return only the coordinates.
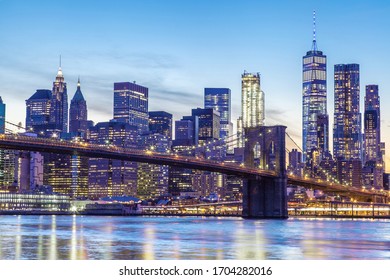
(265, 197)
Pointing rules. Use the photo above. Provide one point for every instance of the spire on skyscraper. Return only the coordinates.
(314, 46)
(59, 74)
(314, 113)
(78, 96)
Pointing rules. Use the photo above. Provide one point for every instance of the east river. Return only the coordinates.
(189, 238)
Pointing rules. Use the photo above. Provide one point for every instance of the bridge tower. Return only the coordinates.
(265, 197)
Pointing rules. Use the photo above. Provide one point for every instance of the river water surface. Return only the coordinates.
(162, 238)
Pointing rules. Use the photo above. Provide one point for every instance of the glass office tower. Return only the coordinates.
(347, 138)
(315, 125)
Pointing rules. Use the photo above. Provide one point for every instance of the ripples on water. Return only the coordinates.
(89, 237)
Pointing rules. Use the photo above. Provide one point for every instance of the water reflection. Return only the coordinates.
(83, 237)
(53, 239)
(18, 241)
(73, 240)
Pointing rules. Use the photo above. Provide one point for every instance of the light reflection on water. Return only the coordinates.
(90, 237)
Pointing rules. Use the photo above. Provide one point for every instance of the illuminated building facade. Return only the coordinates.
(294, 163)
(161, 122)
(34, 202)
(209, 124)
(180, 179)
(28, 170)
(372, 122)
(253, 112)
(109, 177)
(373, 159)
(219, 99)
(315, 123)
(79, 174)
(347, 138)
(58, 173)
(7, 157)
(78, 126)
(349, 172)
(185, 132)
(38, 112)
(59, 104)
(131, 105)
(2, 116)
(153, 179)
(78, 114)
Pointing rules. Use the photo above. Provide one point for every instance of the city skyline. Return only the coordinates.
(170, 70)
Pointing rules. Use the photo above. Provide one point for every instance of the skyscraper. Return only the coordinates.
(109, 177)
(314, 116)
(180, 179)
(253, 112)
(131, 105)
(38, 112)
(59, 104)
(7, 157)
(2, 116)
(209, 124)
(78, 114)
(184, 133)
(161, 122)
(152, 180)
(372, 130)
(219, 99)
(347, 118)
(373, 159)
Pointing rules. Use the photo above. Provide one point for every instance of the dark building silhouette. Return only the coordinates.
(161, 122)
(78, 114)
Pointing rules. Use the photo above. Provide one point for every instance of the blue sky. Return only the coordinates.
(176, 48)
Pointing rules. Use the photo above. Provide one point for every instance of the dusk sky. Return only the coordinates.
(177, 48)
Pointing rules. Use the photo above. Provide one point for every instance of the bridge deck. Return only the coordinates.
(59, 146)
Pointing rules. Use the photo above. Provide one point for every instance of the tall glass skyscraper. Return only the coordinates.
(131, 105)
(59, 104)
(252, 102)
(372, 128)
(314, 116)
(347, 138)
(38, 112)
(219, 99)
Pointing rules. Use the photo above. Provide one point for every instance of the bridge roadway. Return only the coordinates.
(59, 146)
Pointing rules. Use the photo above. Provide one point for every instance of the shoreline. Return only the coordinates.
(62, 213)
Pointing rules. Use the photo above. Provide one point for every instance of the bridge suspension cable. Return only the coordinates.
(15, 125)
(221, 143)
(288, 135)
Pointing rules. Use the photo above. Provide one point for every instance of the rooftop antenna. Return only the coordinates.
(60, 61)
(314, 47)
